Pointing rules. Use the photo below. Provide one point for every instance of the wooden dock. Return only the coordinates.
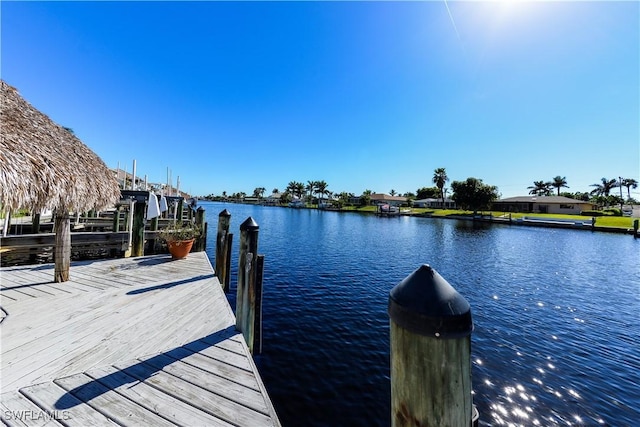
(132, 342)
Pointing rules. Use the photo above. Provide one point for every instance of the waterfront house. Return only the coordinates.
(435, 203)
(542, 204)
(272, 200)
(382, 199)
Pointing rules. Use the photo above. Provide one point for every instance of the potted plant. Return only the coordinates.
(179, 238)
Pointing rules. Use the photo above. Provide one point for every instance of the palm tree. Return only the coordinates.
(392, 192)
(629, 183)
(321, 189)
(440, 178)
(605, 187)
(365, 199)
(540, 188)
(259, 192)
(311, 187)
(559, 182)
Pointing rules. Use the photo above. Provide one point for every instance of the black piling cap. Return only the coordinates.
(426, 304)
(249, 224)
(224, 213)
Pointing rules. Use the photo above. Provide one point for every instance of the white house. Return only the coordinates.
(435, 203)
(542, 204)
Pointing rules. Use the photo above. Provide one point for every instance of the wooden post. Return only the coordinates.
(7, 223)
(153, 227)
(179, 210)
(137, 245)
(62, 252)
(201, 242)
(430, 352)
(635, 228)
(227, 258)
(256, 302)
(246, 309)
(224, 220)
(35, 223)
(116, 220)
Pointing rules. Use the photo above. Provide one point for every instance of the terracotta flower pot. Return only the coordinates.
(180, 248)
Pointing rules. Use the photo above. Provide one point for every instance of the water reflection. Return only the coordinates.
(556, 332)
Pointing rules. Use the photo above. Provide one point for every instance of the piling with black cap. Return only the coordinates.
(430, 352)
(224, 221)
(249, 293)
(201, 242)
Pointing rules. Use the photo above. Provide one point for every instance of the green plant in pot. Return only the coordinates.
(179, 238)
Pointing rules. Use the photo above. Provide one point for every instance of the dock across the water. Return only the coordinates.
(131, 341)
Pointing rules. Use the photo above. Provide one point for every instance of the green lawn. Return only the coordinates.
(601, 221)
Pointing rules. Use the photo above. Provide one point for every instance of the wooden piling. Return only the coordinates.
(224, 220)
(116, 220)
(430, 353)
(137, 245)
(247, 311)
(179, 211)
(35, 223)
(227, 258)
(201, 242)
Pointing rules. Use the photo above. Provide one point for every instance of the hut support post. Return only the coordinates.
(137, 246)
(430, 353)
(249, 297)
(7, 222)
(62, 254)
(224, 220)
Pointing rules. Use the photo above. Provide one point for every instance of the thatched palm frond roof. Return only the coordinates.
(44, 166)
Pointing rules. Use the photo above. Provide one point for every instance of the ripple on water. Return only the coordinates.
(556, 327)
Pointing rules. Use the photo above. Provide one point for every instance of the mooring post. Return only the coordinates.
(635, 228)
(153, 227)
(227, 258)
(179, 210)
(247, 309)
(137, 245)
(116, 219)
(224, 220)
(201, 242)
(430, 353)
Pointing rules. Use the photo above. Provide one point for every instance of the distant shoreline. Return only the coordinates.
(579, 223)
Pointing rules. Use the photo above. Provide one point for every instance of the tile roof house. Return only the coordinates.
(435, 203)
(542, 204)
(378, 198)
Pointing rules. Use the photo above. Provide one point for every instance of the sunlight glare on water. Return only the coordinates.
(555, 317)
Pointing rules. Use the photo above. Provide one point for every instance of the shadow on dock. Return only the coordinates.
(171, 284)
(140, 371)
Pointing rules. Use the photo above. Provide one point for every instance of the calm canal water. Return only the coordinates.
(556, 339)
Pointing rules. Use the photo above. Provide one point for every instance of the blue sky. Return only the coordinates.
(231, 96)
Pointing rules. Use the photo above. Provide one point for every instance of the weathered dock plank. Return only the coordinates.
(137, 341)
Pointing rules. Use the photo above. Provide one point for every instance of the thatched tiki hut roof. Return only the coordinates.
(44, 166)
